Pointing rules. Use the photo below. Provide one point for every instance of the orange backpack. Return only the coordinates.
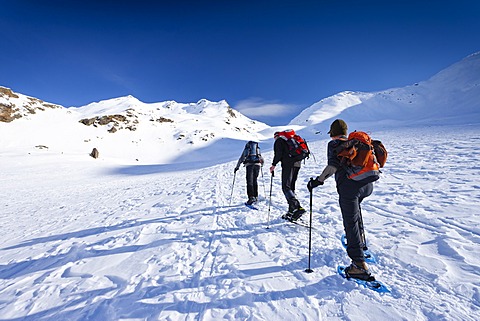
(362, 156)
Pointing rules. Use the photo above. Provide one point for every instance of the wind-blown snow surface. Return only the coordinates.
(87, 239)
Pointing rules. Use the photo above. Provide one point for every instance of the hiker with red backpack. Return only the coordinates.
(253, 160)
(353, 162)
(290, 150)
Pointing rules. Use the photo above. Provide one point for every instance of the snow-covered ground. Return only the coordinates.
(88, 239)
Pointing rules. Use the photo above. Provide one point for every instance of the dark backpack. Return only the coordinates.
(297, 146)
(361, 156)
(253, 153)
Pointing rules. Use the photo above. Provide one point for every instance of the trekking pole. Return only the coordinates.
(362, 232)
(270, 200)
(309, 270)
(263, 183)
(311, 153)
(233, 184)
(314, 159)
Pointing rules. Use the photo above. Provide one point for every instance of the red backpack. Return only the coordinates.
(362, 156)
(297, 146)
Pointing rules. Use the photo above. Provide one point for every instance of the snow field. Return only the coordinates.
(86, 240)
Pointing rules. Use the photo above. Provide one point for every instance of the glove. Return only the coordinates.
(313, 183)
(235, 170)
(272, 168)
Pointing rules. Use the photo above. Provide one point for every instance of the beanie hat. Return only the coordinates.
(338, 127)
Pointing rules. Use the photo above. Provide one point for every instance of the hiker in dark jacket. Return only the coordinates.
(253, 160)
(290, 171)
(351, 194)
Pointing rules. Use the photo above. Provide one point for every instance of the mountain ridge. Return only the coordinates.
(451, 96)
(124, 128)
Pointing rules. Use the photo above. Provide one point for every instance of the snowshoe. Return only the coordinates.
(355, 271)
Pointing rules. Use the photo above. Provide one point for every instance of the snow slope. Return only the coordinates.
(116, 239)
(94, 241)
(449, 97)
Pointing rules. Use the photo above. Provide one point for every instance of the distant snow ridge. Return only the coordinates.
(452, 96)
(130, 113)
(330, 107)
(129, 130)
(123, 128)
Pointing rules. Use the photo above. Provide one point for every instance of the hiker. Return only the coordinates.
(351, 194)
(290, 169)
(253, 160)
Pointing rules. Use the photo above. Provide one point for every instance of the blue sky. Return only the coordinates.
(268, 59)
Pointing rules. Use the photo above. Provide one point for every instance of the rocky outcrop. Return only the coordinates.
(8, 113)
(115, 122)
(14, 106)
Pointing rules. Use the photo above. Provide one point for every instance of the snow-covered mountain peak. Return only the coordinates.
(451, 96)
(130, 104)
(168, 111)
(461, 75)
(474, 54)
(110, 106)
(125, 127)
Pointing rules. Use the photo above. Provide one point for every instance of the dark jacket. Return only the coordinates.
(333, 160)
(280, 149)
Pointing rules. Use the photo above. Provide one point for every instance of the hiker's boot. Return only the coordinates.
(288, 215)
(297, 213)
(250, 201)
(359, 270)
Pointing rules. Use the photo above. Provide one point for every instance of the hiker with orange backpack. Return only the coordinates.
(355, 167)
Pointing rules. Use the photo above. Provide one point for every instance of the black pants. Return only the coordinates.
(351, 195)
(289, 178)
(252, 185)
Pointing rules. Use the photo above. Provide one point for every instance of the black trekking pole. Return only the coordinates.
(311, 153)
(270, 200)
(233, 184)
(309, 270)
(362, 232)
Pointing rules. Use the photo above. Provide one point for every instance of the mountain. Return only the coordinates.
(127, 130)
(452, 96)
(122, 128)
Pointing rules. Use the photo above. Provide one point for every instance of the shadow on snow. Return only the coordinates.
(219, 152)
